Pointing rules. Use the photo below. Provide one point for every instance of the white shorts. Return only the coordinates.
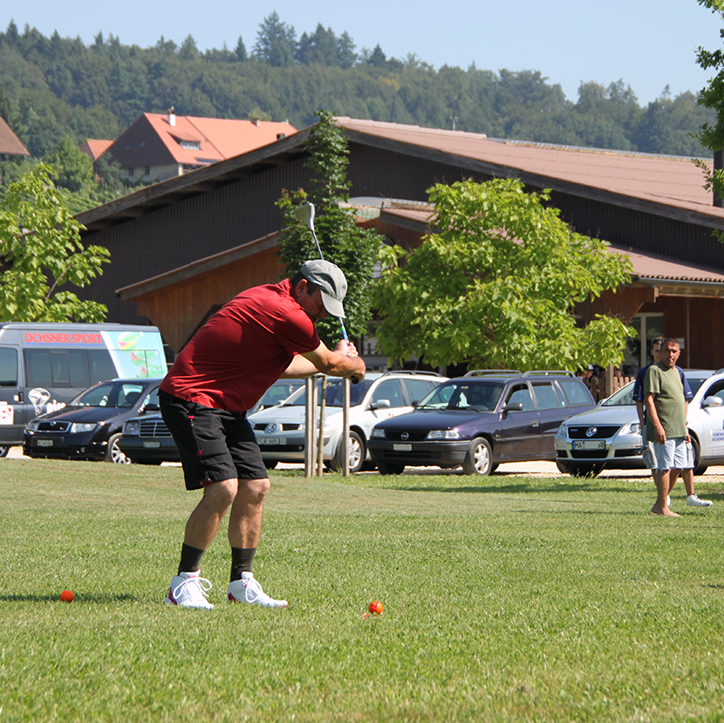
(674, 453)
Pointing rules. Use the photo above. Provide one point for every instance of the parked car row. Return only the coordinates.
(399, 419)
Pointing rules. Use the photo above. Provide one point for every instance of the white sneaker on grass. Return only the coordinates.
(188, 590)
(695, 501)
(249, 590)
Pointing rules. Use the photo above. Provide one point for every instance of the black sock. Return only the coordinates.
(190, 558)
(242, 560)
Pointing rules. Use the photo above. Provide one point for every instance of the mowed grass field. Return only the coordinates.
(506, 599)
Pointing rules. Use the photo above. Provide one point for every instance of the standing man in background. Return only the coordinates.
(687, 474)
(264, 333)
(666, 449)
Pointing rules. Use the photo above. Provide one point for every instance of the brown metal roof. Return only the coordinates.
(646, 267)
(671, 180)
(9, 143)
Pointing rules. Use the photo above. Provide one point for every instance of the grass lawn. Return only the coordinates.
(506, 599)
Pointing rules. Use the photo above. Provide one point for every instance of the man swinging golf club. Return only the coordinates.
(264, 333)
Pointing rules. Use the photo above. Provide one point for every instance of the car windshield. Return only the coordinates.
(122, 395)
(469, 395)
(278, 392)
(333, 398)
(624, 396)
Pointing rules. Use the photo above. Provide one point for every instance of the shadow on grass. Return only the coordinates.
(85, 597)
(519, 487)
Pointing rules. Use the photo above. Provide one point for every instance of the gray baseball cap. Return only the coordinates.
(331, 282)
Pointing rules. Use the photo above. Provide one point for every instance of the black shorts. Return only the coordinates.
(213, 444)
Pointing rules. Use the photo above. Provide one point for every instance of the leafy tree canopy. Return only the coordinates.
(343, 242)
(495, 283)
(42, 253)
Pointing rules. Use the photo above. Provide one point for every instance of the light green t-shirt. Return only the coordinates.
(665, 384)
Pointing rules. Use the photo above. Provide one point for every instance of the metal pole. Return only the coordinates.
(346, 387)
(308, 426)
(322, 408)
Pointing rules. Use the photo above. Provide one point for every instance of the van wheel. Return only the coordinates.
(271, 463)
(4, 449)
(113, 451)
(479, 458)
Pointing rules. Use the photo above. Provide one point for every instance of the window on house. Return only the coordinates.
(191, 145)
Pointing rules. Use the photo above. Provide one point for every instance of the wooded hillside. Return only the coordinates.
(53, 88)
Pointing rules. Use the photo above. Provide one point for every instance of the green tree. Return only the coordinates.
(712, 96)
(275, 42)
(71, 168)
(343, 242)
(495, 283)
(42, 253)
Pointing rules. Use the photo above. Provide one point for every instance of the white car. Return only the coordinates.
(609, 437)
(279, 430)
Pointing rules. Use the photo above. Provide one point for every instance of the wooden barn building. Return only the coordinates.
(181, 248)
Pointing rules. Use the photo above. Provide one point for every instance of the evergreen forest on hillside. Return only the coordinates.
(59, 89)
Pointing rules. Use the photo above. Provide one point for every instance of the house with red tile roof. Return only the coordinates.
(10, 144)
(94, 148)
(161, 146)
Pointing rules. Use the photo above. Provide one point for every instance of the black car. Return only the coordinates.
(90, 425)
(480, 420)
(146, 440)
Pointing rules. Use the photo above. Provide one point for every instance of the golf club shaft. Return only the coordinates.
(310, 223)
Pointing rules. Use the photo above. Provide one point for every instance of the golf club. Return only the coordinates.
(305, 214)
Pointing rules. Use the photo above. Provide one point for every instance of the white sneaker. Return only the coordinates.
(694, 501)
(249, 590)
(188, 590)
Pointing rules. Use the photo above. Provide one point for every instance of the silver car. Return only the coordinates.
(609, 437)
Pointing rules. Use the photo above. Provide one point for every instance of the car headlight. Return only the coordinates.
(443, 434)
(378, 433)
(562, 431)
(632, 428)
(132, 429)
(79, 427)
(32, 426)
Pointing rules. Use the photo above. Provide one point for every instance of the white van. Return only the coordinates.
(45, 365)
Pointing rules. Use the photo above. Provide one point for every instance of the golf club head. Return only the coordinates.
(305, 214)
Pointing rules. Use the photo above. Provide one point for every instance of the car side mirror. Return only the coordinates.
(151, 408)
(712, 402)
(513, 407)
(414, 403)
(381, 404)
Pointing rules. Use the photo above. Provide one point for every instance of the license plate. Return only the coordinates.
(271, 440)
(43, 442)
(590, 444)
(152, 445)
(402, 447)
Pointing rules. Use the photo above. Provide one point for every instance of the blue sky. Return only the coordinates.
(648, 43)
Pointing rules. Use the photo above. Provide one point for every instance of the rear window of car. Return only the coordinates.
(575, 392)
(546, 396)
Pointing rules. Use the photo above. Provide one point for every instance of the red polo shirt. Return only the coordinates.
(242, 349)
